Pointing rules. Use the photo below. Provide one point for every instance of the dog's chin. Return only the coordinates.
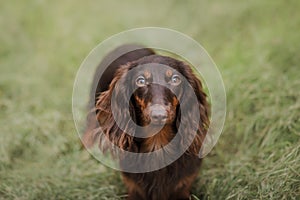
(152, 128)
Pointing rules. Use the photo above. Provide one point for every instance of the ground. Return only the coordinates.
(255, 44)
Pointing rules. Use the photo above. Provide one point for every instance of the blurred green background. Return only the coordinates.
(255, 44)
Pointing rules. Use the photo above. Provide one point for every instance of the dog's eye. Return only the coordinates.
(175, 80)
(140, 81)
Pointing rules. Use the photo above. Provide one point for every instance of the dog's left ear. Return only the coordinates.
(194, 107)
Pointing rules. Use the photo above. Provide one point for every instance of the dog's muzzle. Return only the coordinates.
(158, 114)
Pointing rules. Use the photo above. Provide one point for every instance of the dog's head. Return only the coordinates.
(151, 92)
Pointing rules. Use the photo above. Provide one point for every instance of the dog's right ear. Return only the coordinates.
(114, 105)
(105, 100)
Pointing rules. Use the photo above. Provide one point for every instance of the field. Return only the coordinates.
(254, 43)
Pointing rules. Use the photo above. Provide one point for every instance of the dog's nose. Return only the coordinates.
(158, 114)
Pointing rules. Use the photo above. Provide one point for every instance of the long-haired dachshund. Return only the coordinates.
(155, 93)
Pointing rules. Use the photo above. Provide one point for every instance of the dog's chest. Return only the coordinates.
(168, 178)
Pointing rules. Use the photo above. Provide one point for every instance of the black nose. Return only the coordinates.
(158, 114)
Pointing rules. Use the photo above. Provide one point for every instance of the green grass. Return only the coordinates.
(254, 43)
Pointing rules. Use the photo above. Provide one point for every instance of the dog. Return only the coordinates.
(151, 91)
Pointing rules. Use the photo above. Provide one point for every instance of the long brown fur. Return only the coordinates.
(173, 181)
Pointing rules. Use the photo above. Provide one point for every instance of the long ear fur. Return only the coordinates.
(105, 106)
(193, 109)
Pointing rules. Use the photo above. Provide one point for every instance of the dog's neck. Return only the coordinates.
(158, 138)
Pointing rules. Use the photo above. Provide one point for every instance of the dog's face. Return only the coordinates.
(157, 92)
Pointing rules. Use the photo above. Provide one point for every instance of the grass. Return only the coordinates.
(254, 43)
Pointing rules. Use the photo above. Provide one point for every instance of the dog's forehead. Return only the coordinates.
(156, 70)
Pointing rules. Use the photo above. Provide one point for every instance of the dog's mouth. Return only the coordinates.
(158, 122)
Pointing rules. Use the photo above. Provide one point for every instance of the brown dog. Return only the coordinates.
(154, 97)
